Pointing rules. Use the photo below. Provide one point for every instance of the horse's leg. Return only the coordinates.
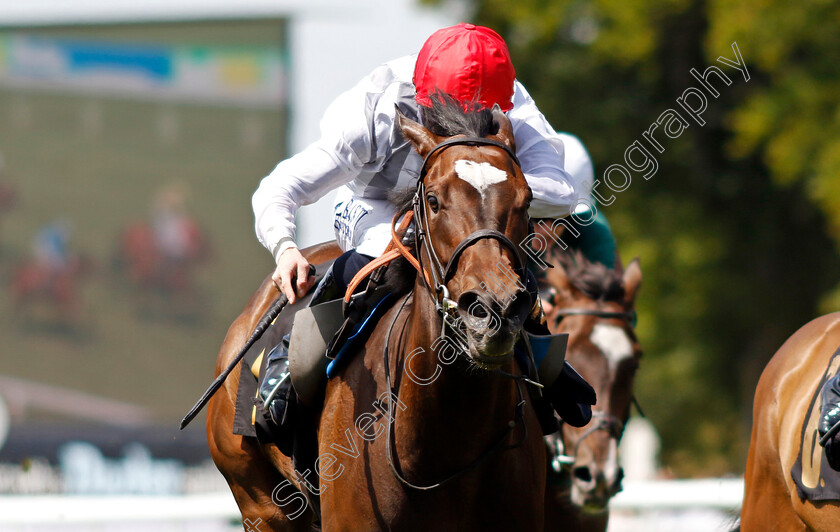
(252, 471)
(767, 505)
(562, 514)
(250, 474)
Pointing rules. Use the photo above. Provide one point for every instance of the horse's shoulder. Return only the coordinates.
(798, 364)
(814, 341)
(242, 326)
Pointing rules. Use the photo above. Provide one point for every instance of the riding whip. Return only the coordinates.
(263, 324)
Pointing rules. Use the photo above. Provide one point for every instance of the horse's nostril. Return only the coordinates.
(519, 308)
(467, 301)
(478, 311)
(582, 473)
(474, 307)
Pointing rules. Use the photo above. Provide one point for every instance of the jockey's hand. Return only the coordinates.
(293, 275)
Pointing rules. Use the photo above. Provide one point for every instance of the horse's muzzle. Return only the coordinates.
(592, 490)
(492, 326)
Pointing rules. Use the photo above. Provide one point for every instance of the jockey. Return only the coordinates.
(595, 239)
(51, 247)
(362, 154)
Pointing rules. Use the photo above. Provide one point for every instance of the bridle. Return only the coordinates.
(440, 274)
(630, 316)
(447, 308)
(601, 420)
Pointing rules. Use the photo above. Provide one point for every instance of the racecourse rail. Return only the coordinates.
(723, 494)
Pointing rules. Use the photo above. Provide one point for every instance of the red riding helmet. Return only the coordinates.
(468, 62)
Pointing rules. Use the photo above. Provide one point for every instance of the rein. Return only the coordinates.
(441, 274)
(494, 447)
(446, 307)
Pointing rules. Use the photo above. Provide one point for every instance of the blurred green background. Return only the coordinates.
(738, 231)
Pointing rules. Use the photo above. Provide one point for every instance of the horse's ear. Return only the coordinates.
(421, 138)
(632, 278)
(505, 133)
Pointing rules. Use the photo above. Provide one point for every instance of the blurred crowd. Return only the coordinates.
(156, 259)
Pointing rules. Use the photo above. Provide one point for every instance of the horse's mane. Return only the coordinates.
(446, 117)
(594, 279)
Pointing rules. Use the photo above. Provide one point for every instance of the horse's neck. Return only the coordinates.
(462, 406)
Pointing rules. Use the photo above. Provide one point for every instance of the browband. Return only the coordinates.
(466, 141)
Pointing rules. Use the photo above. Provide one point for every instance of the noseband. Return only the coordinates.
(443, 274)
(440, 275)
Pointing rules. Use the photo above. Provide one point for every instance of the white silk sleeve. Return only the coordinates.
(333, 160)
(542, 155)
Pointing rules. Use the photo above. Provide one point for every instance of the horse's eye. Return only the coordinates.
(433, 203)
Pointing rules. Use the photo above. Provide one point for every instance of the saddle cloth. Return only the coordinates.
(252, 368)
(814, 478)
(253, 363)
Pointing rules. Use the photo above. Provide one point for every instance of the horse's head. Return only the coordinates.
(595, 306)
(471, 212)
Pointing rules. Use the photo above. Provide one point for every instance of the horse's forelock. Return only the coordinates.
(448, 117)
(594, 279)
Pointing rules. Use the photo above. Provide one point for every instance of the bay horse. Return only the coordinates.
(782, 402)
(595, 306)
(416, 434)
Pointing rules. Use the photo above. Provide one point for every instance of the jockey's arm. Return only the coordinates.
(333, 160)
(541, 152)
(539, 155)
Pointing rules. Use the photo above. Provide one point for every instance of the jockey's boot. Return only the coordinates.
(276, 387)
(571, 396)
(830, 416)
(569, 393)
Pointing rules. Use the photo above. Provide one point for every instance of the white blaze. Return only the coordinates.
(613, 342)
(479, 175)
(611, 464)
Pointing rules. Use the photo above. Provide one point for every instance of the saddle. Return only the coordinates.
(327, 330)
(811, 473)
(324, 330)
